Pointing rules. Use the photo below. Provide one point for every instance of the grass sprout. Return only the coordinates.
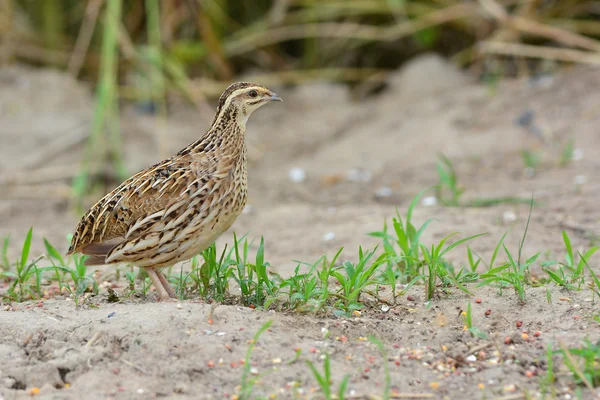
(325, 380)
(248, 381)
(584, 363)
(513, 272)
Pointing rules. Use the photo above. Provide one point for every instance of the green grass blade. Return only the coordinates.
(569, 256)
(53, 253)
(25, 249)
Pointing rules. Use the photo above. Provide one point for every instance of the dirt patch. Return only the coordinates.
(349, 151)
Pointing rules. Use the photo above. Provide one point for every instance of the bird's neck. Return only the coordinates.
(227, 135)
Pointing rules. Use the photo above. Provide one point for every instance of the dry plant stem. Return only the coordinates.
(548, 53)
(538, 29)
(55, 148)
(347, 30)
(212, 43)
(399, 396)
(39, 175)
(84, 37)
(130, 53)
(6, 17)
(37, 53)
(580, 374)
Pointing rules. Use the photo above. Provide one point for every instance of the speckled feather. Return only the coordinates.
(175, 209)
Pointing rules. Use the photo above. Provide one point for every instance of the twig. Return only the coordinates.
(477, 348)
(40, 54)
(402, 396)
(39, 176)
(55, 148)
(511, 397)
(576, 368)
(84, 37)
(535, 28)
(543, 52)
(94, 339)
(346, 30)
(130, 52)
(132, 365)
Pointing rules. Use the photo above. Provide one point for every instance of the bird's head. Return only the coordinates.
(245, 98)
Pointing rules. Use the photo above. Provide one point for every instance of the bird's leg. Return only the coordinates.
(166, 285)
(162, 292)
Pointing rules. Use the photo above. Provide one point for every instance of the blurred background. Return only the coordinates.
(375, 90)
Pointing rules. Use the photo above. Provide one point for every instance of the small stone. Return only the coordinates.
(385, 308)
(179, 306)
(510, 388)
(254, 371)
(471, 358)
(358, 175)
(297, 175)
(580, 179)
(140, 391)
(508, 217)
(384, 192)
(429, 201)
(577, 154)
(179, 388)
(329, 236)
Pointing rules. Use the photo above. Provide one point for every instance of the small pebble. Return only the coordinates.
(429, 201)
(254, 371)
(297, 175)
(140, 391)
(519, 324)
(329, 236)
(577, 154)
(384, 192)
(471, 358)
(358, 175)
(508, 217)
(385, 308)
(580, 179)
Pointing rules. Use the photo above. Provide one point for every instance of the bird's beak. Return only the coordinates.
(275, 97)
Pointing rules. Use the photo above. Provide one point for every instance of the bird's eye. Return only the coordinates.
(253, 93)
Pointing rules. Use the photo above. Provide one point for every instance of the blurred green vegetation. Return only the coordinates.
(149, 50)
(293, 40)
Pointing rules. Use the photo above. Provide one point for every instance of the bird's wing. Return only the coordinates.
(147, 202)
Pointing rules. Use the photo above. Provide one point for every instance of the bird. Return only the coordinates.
(175, 209)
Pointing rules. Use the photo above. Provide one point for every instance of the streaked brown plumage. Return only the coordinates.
(175, 209)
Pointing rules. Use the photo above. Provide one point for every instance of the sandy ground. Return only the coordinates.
(390, 141)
